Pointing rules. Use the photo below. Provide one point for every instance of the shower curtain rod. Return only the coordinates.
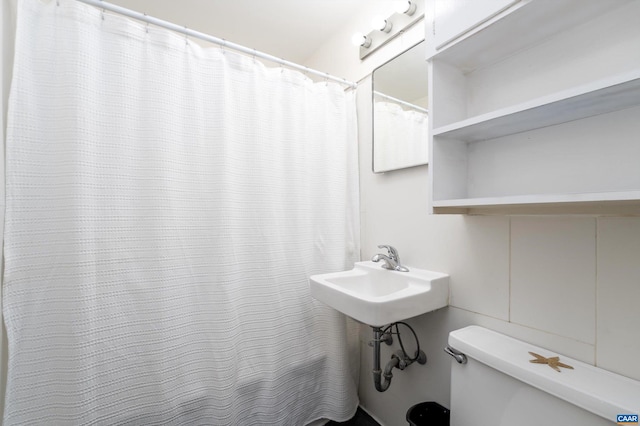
(219, 41)
(401, 102)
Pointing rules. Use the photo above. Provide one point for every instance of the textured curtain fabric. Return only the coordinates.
(401, 136)
(166, 204)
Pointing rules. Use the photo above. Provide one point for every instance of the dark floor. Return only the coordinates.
(359, 419)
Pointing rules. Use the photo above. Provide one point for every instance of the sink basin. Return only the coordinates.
(376, 296)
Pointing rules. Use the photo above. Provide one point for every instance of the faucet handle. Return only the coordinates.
(393, 253)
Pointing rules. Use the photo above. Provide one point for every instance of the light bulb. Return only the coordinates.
(359, 39)
(405, 6)
(381, 24)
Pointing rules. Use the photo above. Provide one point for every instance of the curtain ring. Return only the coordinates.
(223, 46)
(146, 28)
(186, 36)
(102, 13)
(254, 55)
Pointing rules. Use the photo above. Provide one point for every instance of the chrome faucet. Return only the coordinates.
(391, 259)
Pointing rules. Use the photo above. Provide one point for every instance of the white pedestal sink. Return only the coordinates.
(376, 296)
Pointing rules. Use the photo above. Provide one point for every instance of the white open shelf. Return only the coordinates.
(541, 199)
(600, 97)
(533, 112)
(542, 19)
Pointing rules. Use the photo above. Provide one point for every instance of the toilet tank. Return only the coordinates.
(499, 386)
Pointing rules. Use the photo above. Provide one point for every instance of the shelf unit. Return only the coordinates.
(547, 118)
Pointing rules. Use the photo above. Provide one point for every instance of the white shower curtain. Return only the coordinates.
(166, 204)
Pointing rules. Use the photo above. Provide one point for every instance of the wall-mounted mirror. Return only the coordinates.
(400, 114)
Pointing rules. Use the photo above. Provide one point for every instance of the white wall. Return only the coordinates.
(567, 283)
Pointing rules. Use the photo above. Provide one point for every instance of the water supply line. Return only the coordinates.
(400, 359)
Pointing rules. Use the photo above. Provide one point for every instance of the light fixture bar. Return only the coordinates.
(397, 23)
(215, 40)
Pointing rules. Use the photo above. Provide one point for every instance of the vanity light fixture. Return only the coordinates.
(407, 13)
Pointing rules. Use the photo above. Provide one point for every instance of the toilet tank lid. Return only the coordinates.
(591, 388)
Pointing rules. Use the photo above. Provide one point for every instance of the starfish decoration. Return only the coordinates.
(553, 362)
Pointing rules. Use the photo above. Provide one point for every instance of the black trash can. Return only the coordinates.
(428, 414)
